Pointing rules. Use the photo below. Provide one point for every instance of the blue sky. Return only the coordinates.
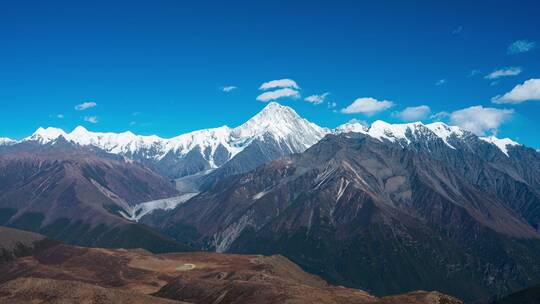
(160, 67)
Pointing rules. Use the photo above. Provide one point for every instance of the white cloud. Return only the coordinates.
(440, 116)
(480, 120)
(280, 83)
(353, 125)
(367, 106)
(85, 105)
(504, 72)
(277, 94)
(529, 90)
(228, 89)
(60, 116)
(317, 99)
(440, 82)
(358, 121)
(332, 104)
(414, 113)
(521, 46)
(91, 119)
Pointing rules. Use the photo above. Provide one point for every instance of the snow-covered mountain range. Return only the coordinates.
(6, 141)
(281, 122)
(275, 131)
(277, 126)
(405, 134)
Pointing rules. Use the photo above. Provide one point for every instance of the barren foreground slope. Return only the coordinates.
(68, 274)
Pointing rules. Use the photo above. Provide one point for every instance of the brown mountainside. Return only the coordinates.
(69, 274)
(76, 194)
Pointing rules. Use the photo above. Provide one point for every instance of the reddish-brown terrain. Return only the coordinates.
(69, 274)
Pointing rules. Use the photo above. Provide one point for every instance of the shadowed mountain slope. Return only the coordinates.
(379, 215)
(16, 243)
(527, 296)
(77, 195)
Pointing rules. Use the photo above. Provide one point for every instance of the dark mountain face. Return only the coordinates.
(259, 152)
(382, 216)
(174, 165)
(513, 177)
(77, 195)
(528, 296)
(16, 243)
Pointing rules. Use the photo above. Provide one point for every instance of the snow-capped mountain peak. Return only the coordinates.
(392, 132)
(501, 143)
(4, 141)
(273, 118)
(289, 132)
(207, 141)
(408, 132)
(80, 130)
(351, 126)
(120, 143)
(284, 125)
(47, 135)
(444, 131)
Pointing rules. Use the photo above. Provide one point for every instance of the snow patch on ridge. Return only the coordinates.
(444, 131)
(404, 133)
(4, 141)
(45, 136)
(392, 132)
(223, 240)
(343, 184)
(501, 143)
(259, 195)
(354, 127)
(136, 212)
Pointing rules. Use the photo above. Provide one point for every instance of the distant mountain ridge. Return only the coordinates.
(274, 132)
(4, 141)
(279, 127)
(528, 296)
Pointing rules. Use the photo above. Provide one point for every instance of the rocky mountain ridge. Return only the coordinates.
(453, 212)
